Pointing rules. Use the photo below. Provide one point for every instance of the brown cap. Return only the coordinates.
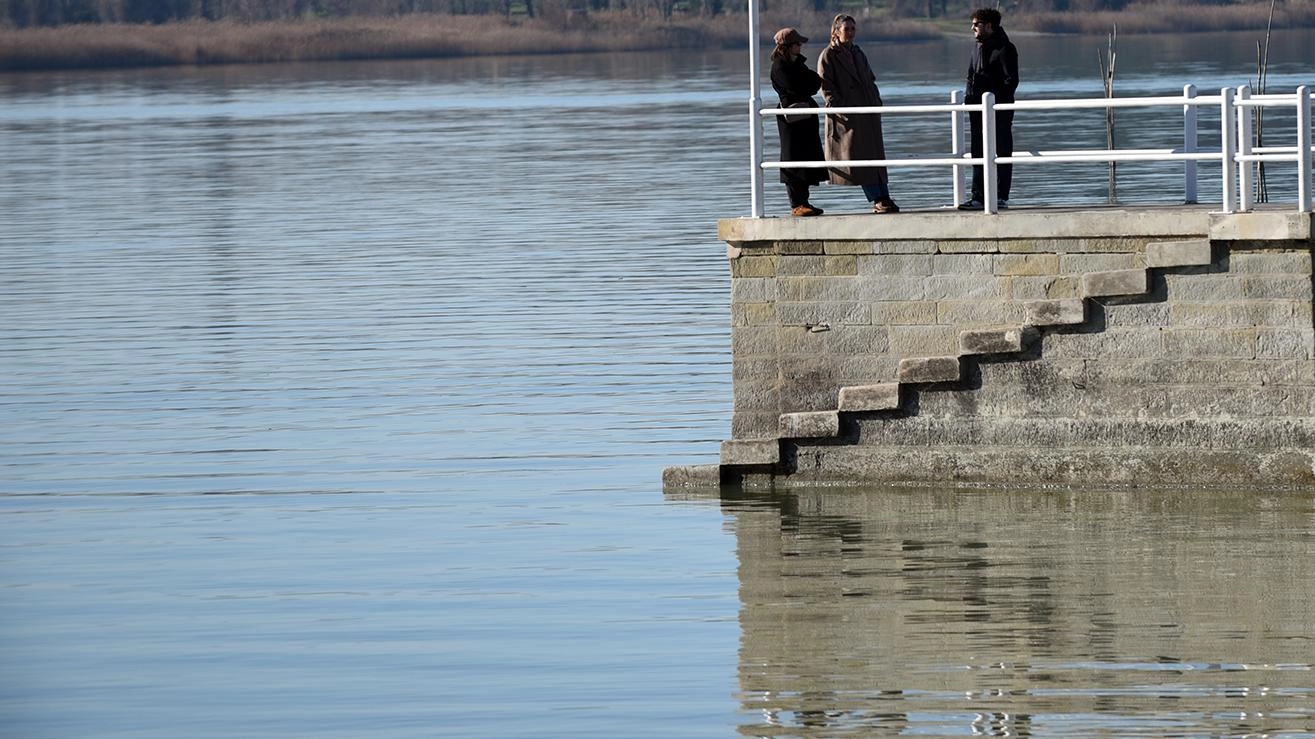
(787, 36)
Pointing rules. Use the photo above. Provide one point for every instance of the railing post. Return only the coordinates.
(755, 119)
(1303, 150)
(1246, 179)
(1227, 146)
(989, 185)
(1189, 146)
(956, 145)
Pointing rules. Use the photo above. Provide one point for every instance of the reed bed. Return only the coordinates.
(423, 35)
(410, 36)
(1166, 18)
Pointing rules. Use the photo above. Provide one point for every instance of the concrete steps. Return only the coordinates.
(918, 374)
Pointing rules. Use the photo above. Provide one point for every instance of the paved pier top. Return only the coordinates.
(1023, 223)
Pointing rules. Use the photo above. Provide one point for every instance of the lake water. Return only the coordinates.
(336, 398)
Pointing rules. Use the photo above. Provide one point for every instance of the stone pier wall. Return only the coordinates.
(1143, 347)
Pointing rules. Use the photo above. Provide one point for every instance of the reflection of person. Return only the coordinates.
(848, 82)
(796, 84)
(993, 68)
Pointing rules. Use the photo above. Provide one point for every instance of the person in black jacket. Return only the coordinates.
(993, 68)
(796, 84)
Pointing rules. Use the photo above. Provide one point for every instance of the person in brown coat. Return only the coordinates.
(848, 82)
(796, 84)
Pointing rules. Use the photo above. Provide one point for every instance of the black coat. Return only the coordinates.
(993, 68)
(794, 82)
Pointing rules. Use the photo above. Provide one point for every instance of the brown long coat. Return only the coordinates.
(848, 82)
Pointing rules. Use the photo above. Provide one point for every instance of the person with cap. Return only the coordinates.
(796, 84)
(848, 82)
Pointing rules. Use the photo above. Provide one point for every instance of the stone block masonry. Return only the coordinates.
(1138, 347)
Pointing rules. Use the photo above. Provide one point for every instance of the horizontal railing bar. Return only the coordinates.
(1099, 152)
(1289, 95)
(1109, 103)
(909, 162)
(1266, 157)
(1267, 102)
(1031, 157)
(1114, 156)
(912, 109)
(1083, 103)
(1277, 150)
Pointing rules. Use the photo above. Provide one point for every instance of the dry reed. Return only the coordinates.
(1165, 18)
(431, 35)
(411, 36)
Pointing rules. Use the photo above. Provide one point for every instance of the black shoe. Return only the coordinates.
(973, 204)
(885, 205)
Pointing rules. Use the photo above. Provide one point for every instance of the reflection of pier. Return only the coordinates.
(1128, 346)
(936, 612)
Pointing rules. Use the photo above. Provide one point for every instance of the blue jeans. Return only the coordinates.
(875, 192)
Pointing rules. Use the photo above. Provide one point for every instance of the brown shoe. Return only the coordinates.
(804, 211)
(885, 205)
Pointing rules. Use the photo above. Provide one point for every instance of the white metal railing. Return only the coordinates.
(1237, 107)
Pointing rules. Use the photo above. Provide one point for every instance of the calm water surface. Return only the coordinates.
(335, 400)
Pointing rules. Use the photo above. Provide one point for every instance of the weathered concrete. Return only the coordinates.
(750, 452)
(1017, 227)
(810, 425)
(1134, 347)
(692, 476)
(1067, 312)
(884, 396)
(1114, 283)
(1003, 340)
(1194, 253)
(930, 369)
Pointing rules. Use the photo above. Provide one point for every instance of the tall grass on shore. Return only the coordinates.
(410, 36)
(225, 42)
(1164, 18)
(424, 35)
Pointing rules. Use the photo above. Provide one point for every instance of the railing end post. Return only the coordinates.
(1304, 164)
(1190, 143)
(1228, 148)
(990, 189)
(956, 145)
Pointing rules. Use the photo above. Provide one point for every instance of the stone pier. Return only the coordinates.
(1147, 346)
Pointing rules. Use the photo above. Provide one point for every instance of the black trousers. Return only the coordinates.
(798, 192)
(1004, 147)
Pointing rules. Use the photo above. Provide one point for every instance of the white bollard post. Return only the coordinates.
(956, 146)
(1246, 178)
(1303, 149)
(1227, 146)
(989, 186)
(1189, 146)
(755, 119)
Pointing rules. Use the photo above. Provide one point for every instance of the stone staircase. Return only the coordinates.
(919, 374)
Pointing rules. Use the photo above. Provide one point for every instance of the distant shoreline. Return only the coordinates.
(445, 36)
(413, 36)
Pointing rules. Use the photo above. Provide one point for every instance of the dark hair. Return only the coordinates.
(987, 15)
(782, 51)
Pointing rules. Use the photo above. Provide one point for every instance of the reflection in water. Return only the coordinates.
(1014, 613)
